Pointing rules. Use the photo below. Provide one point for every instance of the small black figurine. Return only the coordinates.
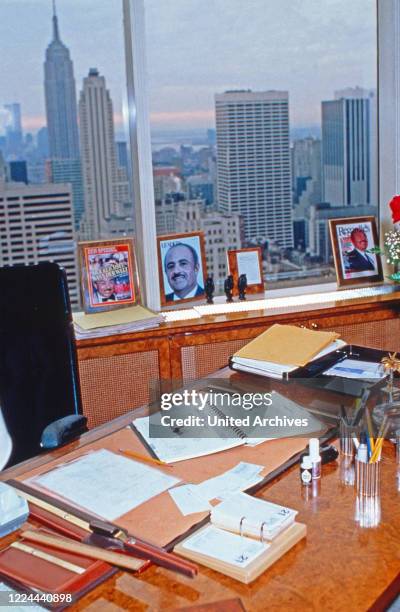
(242, 286)
(209, 289)
(228, 288)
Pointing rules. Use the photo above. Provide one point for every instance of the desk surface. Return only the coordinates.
(340, 565)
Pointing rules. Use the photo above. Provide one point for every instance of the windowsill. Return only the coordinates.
(278, 298)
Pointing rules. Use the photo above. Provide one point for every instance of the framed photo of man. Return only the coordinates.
(352, 239)
(182, 267)
(108, 274)
(248, 262)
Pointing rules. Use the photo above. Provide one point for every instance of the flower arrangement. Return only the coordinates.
(391, 244)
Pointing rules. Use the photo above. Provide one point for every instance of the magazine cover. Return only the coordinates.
(108, 275)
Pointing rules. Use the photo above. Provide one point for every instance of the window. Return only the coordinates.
(276, 100)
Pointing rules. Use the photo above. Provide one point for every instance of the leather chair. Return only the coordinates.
(40, 395)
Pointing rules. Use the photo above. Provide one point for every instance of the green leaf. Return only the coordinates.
(395, 277)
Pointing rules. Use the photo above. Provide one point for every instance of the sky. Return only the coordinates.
(196, 48)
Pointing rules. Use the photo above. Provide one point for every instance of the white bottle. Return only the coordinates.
(306, 470)
(315, 457)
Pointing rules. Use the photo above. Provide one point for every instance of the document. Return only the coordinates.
(248, 263)
(239, 478)
(106, 484)
(225, 547)
(179, 448)
(189, 500)
(352, 368)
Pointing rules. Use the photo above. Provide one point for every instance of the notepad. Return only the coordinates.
(287, 344)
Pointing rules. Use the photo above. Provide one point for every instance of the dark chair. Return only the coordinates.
(39, 379)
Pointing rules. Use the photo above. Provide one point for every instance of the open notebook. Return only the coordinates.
(245, 537)
(172, 444)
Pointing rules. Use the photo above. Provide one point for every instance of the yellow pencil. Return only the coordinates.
(140, 457)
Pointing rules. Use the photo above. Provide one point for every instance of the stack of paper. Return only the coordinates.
(284, 348)
(120, 321)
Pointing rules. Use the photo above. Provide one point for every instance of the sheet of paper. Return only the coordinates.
(188, 500)
(248, 263)
(239, 478)
(352, 368)
(225, 546)
(106, 484)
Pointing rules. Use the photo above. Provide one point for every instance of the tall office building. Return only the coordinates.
(253, 162)
(99, 164)
(306, 169)
(348, 149)
(13, 129)
(69, 171)
(37, 225)
(60, 95)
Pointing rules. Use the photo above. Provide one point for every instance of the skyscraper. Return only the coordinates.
(253, 162)
(60, 95)
(37, 225)
(348, 149)
(99, 166)
(69, 171)
(13, 130)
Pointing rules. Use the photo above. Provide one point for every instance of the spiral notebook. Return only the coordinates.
(171, 443)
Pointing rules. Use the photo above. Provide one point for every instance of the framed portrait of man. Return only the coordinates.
(108, 274)
(352, 240)
(182, 267)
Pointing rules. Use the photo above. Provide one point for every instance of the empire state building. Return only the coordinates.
(61, 106)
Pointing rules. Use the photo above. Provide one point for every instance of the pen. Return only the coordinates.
(140, 457)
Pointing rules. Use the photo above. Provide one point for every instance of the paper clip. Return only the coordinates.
(241, 526)
(262, 532)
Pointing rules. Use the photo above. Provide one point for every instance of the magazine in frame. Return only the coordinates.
(182, 267)
(247, 261)
(108, 274)
(352, 240)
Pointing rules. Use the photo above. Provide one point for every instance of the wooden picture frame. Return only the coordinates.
(351, 239)
(189, 268)
(108, 274)
(247, 261)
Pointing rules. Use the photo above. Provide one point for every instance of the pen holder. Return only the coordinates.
(368, 478)
(347, 433)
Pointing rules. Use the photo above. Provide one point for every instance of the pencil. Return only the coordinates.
(140, 457)
(370, 430)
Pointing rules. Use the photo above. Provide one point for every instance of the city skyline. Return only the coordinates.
(183, 75)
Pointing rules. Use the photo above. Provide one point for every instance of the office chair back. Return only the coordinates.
(39, 379)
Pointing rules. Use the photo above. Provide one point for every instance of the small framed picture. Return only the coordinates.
(182, 267)
(352, 240)
(108, 274)
(249, 262)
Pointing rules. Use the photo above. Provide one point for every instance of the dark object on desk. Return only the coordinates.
(228, 288)
(209, 289)
(110, 536)
(64, 430)
(242, 286)
(39, 379)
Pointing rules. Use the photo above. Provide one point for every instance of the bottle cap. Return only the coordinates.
(306, 464)
(313, 445)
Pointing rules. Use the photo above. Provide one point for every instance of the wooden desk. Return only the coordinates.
(340, 566)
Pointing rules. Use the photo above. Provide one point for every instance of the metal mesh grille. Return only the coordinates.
(382, 335)
(116, 384)
(198, 361)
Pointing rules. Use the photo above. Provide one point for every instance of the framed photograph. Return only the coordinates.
(249, 262)
(108, 274)
(182, 267)
(352, 238)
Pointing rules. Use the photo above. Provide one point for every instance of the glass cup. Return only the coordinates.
(347, 433)
(368, 478)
